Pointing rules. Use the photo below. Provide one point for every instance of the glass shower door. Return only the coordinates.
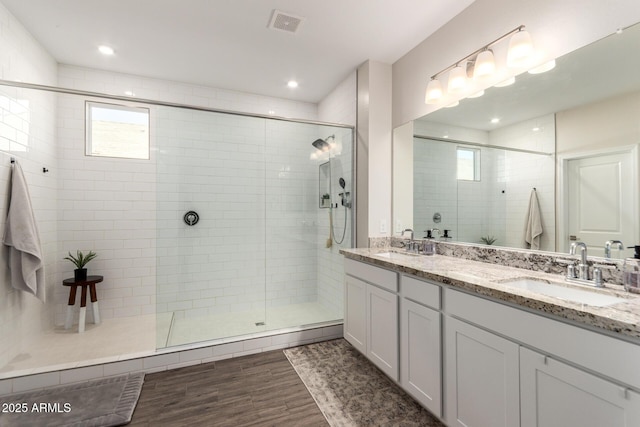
(211, 225)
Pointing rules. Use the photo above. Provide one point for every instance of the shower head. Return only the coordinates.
(321, 144)
(342, 183)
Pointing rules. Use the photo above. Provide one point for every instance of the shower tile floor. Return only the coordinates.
(129, 337)
(197, 329)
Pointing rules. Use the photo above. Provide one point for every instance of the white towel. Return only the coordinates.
(533, 223)
(21, 235)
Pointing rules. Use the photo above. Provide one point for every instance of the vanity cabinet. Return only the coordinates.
(420, 342)
(371, 314)
(556, 394)
(477, 362)
(490, 362)
(482, 377)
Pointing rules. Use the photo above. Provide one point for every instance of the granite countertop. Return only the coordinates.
(488, 280)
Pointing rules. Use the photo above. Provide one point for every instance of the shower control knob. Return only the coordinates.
(191, 218)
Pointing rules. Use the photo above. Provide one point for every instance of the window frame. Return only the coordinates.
(476, 163)
(122, 107)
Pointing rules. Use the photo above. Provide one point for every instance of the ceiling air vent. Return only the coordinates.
(285, 22)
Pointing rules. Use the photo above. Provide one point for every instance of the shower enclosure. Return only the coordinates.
(257, 259)
(221, 231)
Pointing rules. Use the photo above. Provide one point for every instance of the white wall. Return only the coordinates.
(612, 122)
(557, 27)
(27, 132)
(374, 151)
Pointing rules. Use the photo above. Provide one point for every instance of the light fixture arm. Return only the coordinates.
(473, 54)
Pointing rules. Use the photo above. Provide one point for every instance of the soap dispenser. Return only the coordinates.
(631, 271)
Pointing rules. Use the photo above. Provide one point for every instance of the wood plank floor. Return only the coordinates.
(256, 390)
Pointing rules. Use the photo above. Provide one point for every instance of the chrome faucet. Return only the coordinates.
(433, 230)
(413, 245)
(583, 268)
(607, 247)
(409, 230)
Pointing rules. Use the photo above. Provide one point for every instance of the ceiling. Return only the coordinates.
(227, 44)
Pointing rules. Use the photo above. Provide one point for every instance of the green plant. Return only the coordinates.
(80, 260)
(488, 240)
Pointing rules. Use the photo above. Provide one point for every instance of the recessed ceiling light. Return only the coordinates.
(106, 50)
(535, 129)
(495, 120)
(129, 93)
(292, 84)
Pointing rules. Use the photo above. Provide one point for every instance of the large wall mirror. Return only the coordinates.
(565, 140)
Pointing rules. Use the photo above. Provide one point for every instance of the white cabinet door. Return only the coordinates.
(558, 395)
(382, 330)
(420, 362)
(482, 377)
(355, 319)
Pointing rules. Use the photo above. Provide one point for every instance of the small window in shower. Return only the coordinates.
(468, 165)
(117, 131)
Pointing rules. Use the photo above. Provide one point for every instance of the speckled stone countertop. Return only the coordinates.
(488, 280)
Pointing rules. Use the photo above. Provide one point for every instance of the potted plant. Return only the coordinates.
(80, 260)
(488, 240)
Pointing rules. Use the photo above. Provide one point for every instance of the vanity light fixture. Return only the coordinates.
(483, 64)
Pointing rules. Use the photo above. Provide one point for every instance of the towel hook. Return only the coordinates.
(45, 170)
(13, 160)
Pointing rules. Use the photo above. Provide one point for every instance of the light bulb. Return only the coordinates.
(520, 49)
(434, 92)
(457, 79)
(485, 65)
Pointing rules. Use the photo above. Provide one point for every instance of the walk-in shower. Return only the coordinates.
(254, 260)
(215, 236)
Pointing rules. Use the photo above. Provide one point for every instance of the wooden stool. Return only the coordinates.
(91, 284)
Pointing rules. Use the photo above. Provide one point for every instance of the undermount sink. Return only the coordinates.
(582, 296)
(396, 255)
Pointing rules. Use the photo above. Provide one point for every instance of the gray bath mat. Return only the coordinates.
(350, 391)
(103, 402)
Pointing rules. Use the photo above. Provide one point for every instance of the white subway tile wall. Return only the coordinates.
(27, 133)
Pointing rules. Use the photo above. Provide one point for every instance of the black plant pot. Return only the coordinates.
(80, 274)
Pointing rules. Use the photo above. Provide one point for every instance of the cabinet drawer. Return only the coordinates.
(385, 279)
(419, 291)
